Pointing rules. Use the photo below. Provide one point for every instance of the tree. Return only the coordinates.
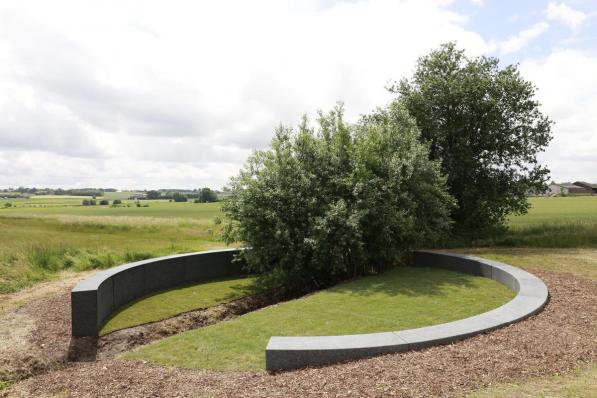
(484, 124)
(178, 197)
(338, 201)
(206, 195)
(153, 194)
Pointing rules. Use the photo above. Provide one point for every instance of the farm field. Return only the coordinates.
(38, 243)
(555, 222)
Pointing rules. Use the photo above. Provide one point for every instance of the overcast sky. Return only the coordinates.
(143, 94)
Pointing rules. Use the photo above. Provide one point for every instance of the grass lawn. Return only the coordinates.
(581, 383)
(581, 262)
(175, 301)
(399, 299)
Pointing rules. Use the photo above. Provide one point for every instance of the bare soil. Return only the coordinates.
(554, 341)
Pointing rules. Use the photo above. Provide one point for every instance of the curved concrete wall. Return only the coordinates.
(94, 299)
(295, 352)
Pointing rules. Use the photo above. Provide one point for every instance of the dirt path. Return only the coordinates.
(553, 341)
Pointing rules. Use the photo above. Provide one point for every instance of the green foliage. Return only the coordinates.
(178, 197)
(484, 124)
(153, 194)
(339, 201)
(104, 202)
(206, 195)
(116, 202)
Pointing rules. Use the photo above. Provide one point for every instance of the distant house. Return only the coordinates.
(567, 188)
(557, 189)
(592, 188)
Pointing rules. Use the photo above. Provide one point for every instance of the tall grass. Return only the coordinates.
(35, 248)
(38, 263)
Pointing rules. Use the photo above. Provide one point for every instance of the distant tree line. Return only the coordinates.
(59, 191)
(202, 195)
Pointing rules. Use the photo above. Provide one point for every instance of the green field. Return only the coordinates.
(402, 298)
(168, 303)
(555, 222)
(37, 243)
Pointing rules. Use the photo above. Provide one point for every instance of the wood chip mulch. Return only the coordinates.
(554, 341)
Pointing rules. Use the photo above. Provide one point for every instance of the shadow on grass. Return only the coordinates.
(239, 291)
(408, 281)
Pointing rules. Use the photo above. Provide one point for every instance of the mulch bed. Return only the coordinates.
(554, 341)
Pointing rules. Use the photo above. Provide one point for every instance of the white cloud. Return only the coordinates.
(566, 15)
(567, 89)
(522, 39)
(178, 93)
(478, 3)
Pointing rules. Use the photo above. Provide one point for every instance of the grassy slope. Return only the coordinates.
(37, 243)
(399, 299)
(172, 302)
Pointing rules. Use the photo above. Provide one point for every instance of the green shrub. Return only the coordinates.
(206, 195)
(104, 202)
(336, 202)
(178, 197)
(117, 202)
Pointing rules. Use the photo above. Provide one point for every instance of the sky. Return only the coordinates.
(177, 94)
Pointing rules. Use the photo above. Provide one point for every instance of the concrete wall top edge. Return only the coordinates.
(94, 281)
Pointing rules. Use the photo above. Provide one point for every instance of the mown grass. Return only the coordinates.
(402, 298)
(580, 384)
(581, 262)
(171, 302)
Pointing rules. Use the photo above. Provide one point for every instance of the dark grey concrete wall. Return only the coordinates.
(94, 299)
(300, 351)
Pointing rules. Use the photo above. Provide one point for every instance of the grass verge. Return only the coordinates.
(399, 299)
(581, 383)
